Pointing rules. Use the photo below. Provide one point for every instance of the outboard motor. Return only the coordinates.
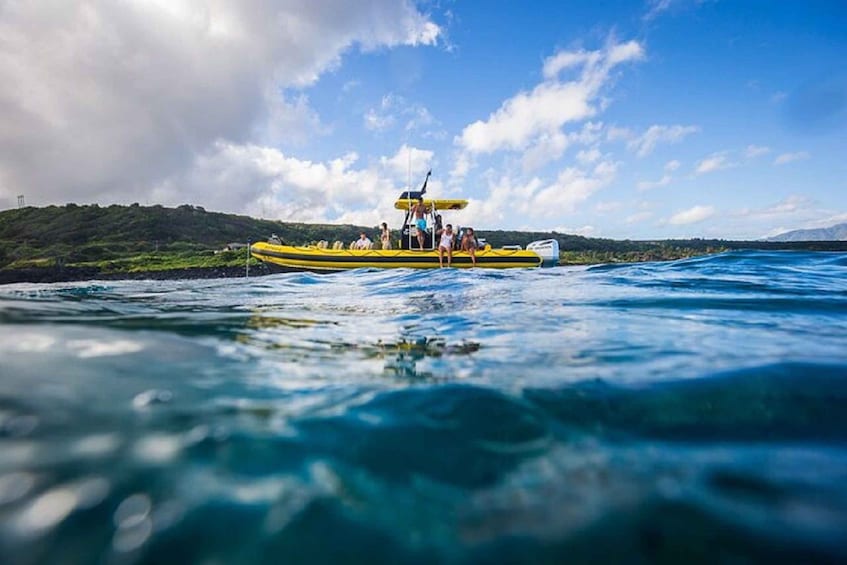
(548, 249)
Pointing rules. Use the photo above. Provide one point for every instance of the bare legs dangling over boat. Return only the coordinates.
(446, 244)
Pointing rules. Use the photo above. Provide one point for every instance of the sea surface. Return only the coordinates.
(692, 411)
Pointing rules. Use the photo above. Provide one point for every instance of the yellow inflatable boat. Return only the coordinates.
(406, 252)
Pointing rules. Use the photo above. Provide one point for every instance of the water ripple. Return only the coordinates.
(619, 412)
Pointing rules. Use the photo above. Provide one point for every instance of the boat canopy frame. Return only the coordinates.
(408, 232)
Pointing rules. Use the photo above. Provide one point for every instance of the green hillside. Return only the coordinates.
(110, 236)
(137, 239)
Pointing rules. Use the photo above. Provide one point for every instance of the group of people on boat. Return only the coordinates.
(447, 241)
(364, 241)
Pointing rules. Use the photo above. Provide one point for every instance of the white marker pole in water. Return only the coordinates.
(247, 263)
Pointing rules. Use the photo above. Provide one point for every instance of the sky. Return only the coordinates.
(638, 119)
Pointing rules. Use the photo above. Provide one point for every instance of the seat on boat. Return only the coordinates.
(338, 245)
(323, 244)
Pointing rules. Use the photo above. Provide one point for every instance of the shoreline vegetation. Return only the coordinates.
(75, 242)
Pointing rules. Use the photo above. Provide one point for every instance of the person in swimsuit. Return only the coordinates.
(446, 244)
(385, 236)
(469, 244)
(420, 222)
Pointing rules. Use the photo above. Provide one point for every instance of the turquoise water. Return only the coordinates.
(694, 410)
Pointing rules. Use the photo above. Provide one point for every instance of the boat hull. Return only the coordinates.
(288, 258)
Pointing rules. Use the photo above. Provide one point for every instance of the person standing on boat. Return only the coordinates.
(363, 242)
(419, 210)
(446, 244)
(385, 236)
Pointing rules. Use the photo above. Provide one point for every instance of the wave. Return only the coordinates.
(648, 412)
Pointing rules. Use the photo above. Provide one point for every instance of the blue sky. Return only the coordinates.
(638, 120)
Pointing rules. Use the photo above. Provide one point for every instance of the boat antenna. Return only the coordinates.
(426, 180)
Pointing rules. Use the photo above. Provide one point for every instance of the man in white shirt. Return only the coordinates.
(363, 242)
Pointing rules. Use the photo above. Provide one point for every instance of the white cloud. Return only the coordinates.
(714, 162)
(666, 179)
(786, 158)
(623, 52)
(567, 60)
(656, 7)
(572, 187)
(537, 200)
(350, 85)
(789, 206)
(504, 196)
(639, 217)
(590, 133)
(418, 117)
(393, 109)
(776, 231)
(529, 117)
(795, 211)
(754, 151)
(291, 122)
(794, 223)
(548, 147)
(828, 220)
(615, 133)
(407, 159)
(375, 121)
(588, 156)
(606, 207)
(265, 182)
(462, 164)
(692, 215)
(644, 144)
(102, 100)
(525, 117)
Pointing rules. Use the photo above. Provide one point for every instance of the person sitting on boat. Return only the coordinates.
(363, 242)
(385, 236)
(419, 210)
(446, 244)
(470, 244)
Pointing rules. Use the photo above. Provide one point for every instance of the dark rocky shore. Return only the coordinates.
(68, 274)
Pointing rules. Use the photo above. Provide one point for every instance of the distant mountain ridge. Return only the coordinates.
(837, 232)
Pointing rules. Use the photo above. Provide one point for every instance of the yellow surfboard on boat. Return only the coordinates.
(437, 204)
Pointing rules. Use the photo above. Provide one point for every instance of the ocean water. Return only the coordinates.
(692, 411)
